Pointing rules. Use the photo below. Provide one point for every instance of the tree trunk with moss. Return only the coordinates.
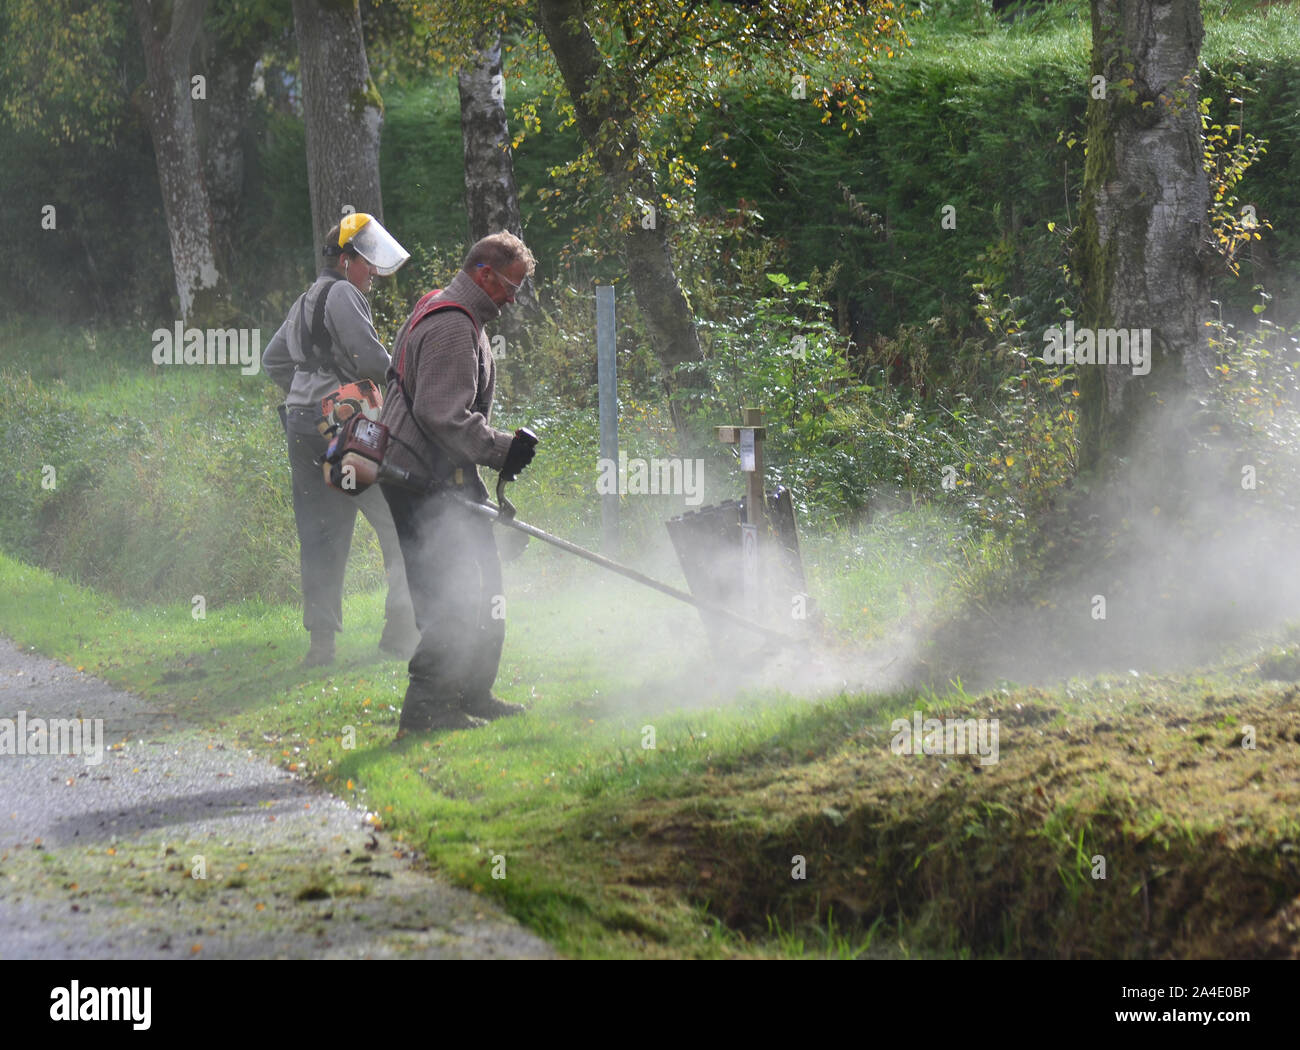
(168, 32)
(609, 132)
(1145, 222)
(343, 113)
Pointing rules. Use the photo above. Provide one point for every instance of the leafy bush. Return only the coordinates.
(1257, 402)
(970, 118)
(844, 438)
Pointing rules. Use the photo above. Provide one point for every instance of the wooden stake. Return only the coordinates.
(755, 504)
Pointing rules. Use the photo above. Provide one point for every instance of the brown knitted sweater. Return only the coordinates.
(450, 377)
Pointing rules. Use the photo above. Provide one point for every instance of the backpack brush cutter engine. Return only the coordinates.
(347, 401)
(354, 459)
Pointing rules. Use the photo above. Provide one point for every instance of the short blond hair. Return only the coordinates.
(500, 250)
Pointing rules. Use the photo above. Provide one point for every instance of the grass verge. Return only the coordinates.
(692, 847)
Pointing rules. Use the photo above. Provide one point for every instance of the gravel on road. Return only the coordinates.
(173, 842)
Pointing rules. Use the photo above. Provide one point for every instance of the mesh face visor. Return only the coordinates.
(377, 246)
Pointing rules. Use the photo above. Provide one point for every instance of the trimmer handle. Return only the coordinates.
(504, 506)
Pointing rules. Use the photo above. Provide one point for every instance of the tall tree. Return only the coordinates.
(1145, 224)
(491, 200)
(637, 74)
(344, 113)
(168, 29)
(605, 121)
(491, 197)
(632, 69)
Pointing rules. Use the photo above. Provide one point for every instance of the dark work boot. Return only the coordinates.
(441, 718)
(423, 711)
(321, 652)
(489, 707)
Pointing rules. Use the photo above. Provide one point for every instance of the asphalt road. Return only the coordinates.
(98, 860)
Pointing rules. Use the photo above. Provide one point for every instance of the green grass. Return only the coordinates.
(169, 482)
(172, 482)
(171, 485)
(530, 789)
(612, 849)
(597, 659)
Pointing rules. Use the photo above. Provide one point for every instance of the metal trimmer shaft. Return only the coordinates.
(505, 515)
(492, 511)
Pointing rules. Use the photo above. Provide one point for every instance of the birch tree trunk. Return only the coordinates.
(491, 197)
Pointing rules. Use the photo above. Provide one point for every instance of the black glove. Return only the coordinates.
(522, 449)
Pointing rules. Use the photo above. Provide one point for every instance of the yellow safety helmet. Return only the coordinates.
(366, 235)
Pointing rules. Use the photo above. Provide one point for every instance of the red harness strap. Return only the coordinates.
(427, 305)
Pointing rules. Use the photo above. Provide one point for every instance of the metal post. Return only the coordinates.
(607, 384)
(749, 570)
(755, 503)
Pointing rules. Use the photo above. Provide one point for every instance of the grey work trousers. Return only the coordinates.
(326, 518)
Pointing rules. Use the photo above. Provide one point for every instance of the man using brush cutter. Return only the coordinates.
(438, 409)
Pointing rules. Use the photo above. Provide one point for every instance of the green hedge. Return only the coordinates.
(974, 122)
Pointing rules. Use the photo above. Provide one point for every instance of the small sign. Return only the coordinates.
(747, 448)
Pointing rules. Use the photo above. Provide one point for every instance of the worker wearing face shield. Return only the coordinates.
(326, 344)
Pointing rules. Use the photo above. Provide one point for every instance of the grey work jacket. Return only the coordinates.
(356, 354)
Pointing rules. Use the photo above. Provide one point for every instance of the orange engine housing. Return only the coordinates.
(349, 399)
